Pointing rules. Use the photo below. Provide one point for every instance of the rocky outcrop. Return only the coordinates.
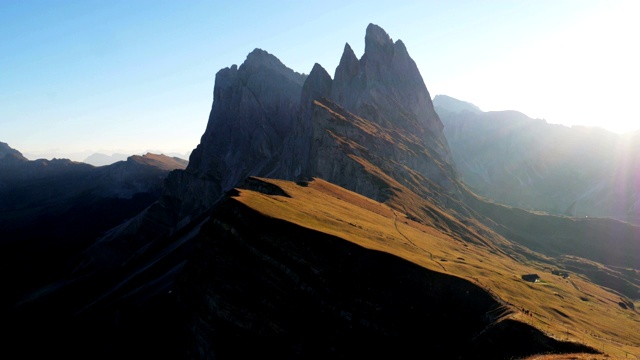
(350, 128)
(384, 81)
(267, 120)
(254, 109)
(300, 149)
(255, 106)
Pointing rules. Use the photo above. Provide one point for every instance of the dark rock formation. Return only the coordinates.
(267, 120)
(378, 102)
(383, 81)
(254, 109)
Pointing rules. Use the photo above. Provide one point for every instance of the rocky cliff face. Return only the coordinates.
(254, 109)
(372, 130)
(357, 126)
(375, 119)
(386, 85)
(266, 121)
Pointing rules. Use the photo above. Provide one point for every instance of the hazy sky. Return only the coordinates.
(131, 76)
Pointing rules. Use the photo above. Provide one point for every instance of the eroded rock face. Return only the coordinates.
(300, 149)
(376, 115)
(269, 121)
(386, 80)
(254, 109)
(371, 130)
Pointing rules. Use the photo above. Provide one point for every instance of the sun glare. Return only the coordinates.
(585, 74)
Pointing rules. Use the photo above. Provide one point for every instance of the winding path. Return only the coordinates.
(395, 223)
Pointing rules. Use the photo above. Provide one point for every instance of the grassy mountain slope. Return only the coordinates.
(573, 308)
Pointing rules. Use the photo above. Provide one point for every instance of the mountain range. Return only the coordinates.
(51, 210)
(100, 159)
(528, 163)
(331, 217)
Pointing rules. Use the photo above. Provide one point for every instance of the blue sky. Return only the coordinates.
(78, 77)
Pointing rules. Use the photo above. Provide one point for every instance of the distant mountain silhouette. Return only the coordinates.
(447, 103)
(8, 154)
(528, 163)
(98, 159)
(50, 210)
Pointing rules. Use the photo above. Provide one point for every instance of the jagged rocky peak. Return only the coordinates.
(225, 79)
(377, 42)
(349, 65)
(317, 85)
(255, 106)
(345, 78)
(389, 66)
(264, 122)
(386, 81)
(261, 61)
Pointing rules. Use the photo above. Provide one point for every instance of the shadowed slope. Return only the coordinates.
(52, 210)
(339, 276)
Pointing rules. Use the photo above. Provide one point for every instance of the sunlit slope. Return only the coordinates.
(572, 308)
(605, 250)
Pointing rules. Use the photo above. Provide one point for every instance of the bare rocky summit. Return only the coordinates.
(267, 120)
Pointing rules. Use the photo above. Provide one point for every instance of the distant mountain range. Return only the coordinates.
(528, 163)
(50, 210)
(99, 159)
(324, 217)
